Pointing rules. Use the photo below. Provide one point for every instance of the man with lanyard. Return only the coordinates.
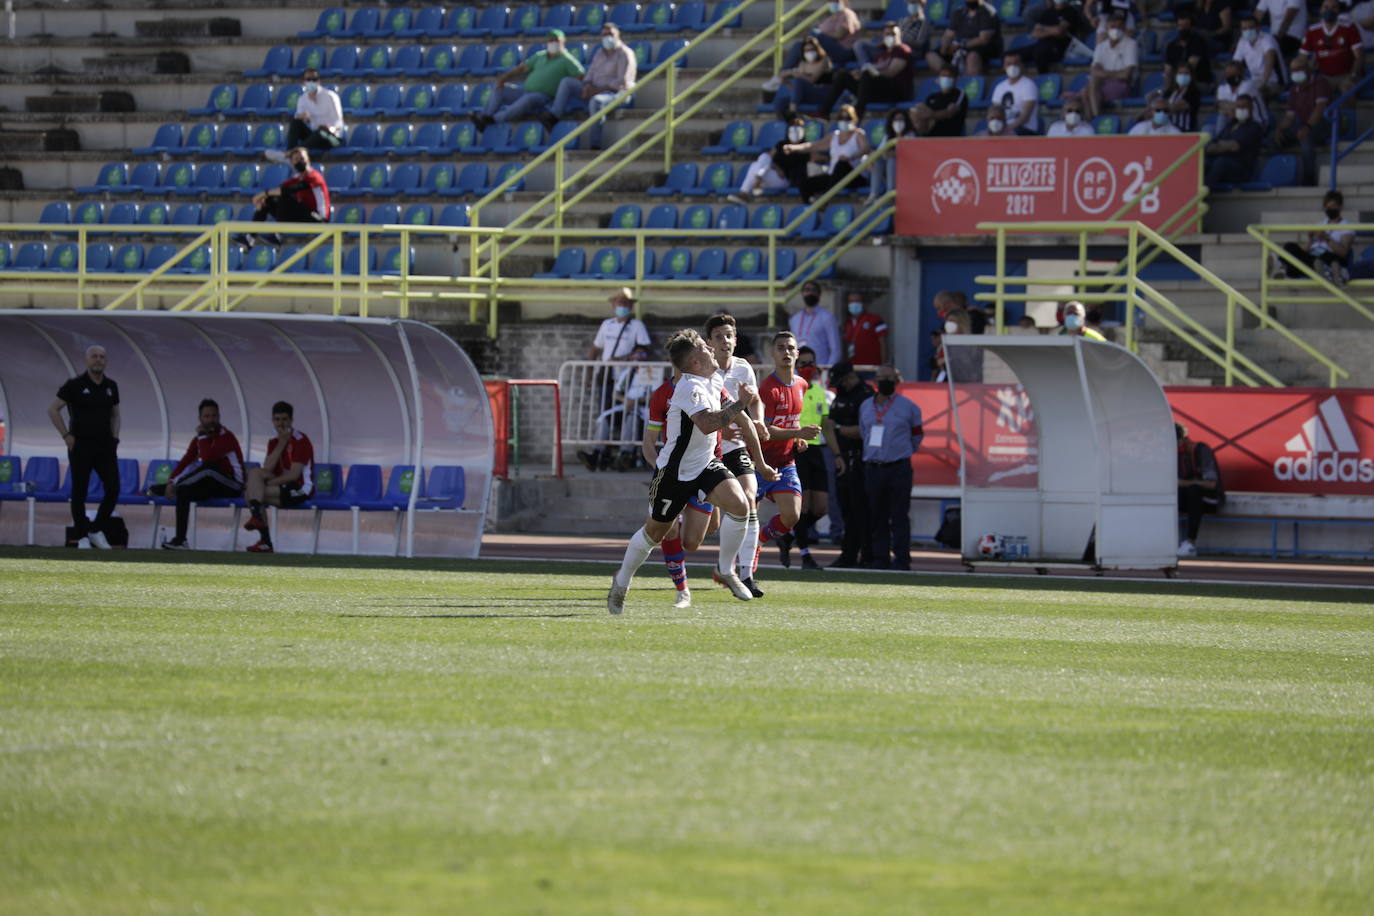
(847, 445)
(782, 395)
(92, 438)
(815, 499)
(739, 444)
(815, 327)
(892, 432)
(616, 339)
(687, 465)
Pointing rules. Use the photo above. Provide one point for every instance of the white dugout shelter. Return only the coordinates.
(1068, 443)
(366, 391)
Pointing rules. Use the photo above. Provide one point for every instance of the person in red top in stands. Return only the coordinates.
(212, 468)
(302, 198)
(286, 478)
(1335, 46)
(781, 395)
(865, 334)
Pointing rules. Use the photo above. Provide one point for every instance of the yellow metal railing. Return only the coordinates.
(1140, 295)
(1312, 288)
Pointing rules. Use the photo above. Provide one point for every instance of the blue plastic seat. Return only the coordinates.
(221, 98)
(375, 60)
(479, 95)
(658, 16)
(56, 213)
(428, 21)
(267, 136)
(343, 62)
(154, 213)
(128, 258)
(158, 255)
(356, 100)
(329, 24)
(523, 137)
(113, 178)
(439, 180)
(373, 179)
(668, 49)
(364, 485)
(259, 259)
(503, 58)
(604, 264)
(166, 138)
(186, 215)
(394, 22)
(559, 16)
(285, 100)
(491, 19)
(747, 264)
(339, 176)
(662, 216)
(504, 173)
(710, 264)
(418, 215)
(454, 215)
(768, 216)
(1279, 171)
(697, 216)
(472, 179)
(391, 261)
(807, 224)
(363, 140)
(277, 62)
(626, 216)
(689, 16)
(420, 99)
(398, 488)
(197, 140)
(717, 179)
(472, 60)
(675, 264)
(364, 22)
(395, 138)
(459, 21)
(99, 257)
(1107, 124)
(522, 20)
(88, 213)
(681, 176)
(178, 178)
(736, 136)
(733, 216)
(1050, 88)
(768, 137)
(349, 215)
(589, 19)
(571, 262)
(626, 16)
(212, 214)
(557, 135)
(256, 100)
(496, 135)
(725, 9)
(444, 488)
(31, 256)
(975, 89)
(644, 55)
(630, 269)
(409, 60)
(242, 179)
(6, 256)
(146, 177)
(232, 136)
(452, 99)
(405, 176)
(124, 213)
(384, 215)
(41, 474)
(209, 178)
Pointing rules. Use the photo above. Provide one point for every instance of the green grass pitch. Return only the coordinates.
(203, 733)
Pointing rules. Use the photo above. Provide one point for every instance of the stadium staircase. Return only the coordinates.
(87, 85)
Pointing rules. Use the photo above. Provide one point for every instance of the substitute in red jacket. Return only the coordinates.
(212, 468)
(302, 198)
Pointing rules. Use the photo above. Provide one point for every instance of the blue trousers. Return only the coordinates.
(512, 103)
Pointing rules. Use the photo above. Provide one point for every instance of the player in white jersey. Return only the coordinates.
(687, 464)
(739, 445)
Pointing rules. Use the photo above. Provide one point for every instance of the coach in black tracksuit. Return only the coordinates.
(92, 436)
(842, 433)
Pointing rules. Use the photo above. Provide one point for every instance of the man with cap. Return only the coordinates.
(612, 71)
(542, 73)
(621, 337)
(842, 435)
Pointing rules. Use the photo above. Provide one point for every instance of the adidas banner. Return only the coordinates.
(949, 186)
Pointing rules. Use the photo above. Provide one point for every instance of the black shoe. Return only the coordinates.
(549, 120)
(588, 460)
(625, 461)
(273, 239)
(808, 563)
(242, 239)
(843, 563)
(481, 121)
(785, 550)
(753, 589)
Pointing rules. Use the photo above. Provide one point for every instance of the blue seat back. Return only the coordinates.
(710, 263)
(58, 212)
(11, 474)
(329, 480)
(445, 485)
(129, 258)
(400, 483)
(453, 215)
(41, 474)
(662, 216)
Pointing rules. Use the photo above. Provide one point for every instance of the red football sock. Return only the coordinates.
(675, 558)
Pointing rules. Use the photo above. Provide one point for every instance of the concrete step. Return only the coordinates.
(215, 27)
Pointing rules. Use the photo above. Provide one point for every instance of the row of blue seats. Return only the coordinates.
(629, 217)
(343, 178)
(673, 264)
(689, 179)
(59, 214)
(498, 21)
(102, 258)
(435, 60)
(398, 139)
(359, 100)
(365, 489)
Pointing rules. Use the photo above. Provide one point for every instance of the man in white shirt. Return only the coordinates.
(319, 122)
(1260, 55)
(1114, 66)
(1157, 123)
(622, 337)
(1072, 124)
(1019, 98)
(1234, 84)
(687, 465)
(1287, 23)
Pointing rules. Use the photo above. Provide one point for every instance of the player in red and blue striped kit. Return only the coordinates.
(781, 395)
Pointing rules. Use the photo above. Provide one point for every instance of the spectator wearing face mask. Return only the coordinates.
(1260, 54)
(1189, 48)
(1231, 157)
(1235, 84)
(837, 33)
(1019, 97)
(612, 71)
(1072, 124)
(808, 83)
(1115, 61)
(1183, 99)
(1075, 320)
(1055, 28)
(1155, 121)
(541, 73)
(775, 169)
(302, 198)
(1287, 21)
(898, 125)
(813, 326)
(1302, 125)
(1101, 12)
(865, 334)
(944, 111)
(891, 429)
(890, 78)
(1327, 249)
(847, 145)
(915, 34)
(319, 122)
(973, 38)
(1336, 48)
(997, 124)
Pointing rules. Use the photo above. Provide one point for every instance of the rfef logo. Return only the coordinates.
(1325, 449)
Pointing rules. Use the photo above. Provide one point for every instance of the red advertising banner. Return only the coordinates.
(949, 186)
(1317, 441)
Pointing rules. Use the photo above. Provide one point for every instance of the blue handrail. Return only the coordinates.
(1333, 114)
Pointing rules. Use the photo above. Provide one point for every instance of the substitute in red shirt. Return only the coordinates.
(865, 335)
(212, 468)
(1334, 45)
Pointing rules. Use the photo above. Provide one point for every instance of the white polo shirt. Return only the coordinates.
(324, 110)
(1013, 96)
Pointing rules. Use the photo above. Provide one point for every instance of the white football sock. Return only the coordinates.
(636, 552)
(745, 556)
(732, 532)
